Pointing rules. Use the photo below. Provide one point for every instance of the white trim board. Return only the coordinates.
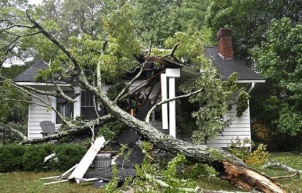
(84, 164)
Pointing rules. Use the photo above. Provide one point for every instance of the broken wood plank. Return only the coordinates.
(86, 179)
(55, 182)
(84, 164)
(50, 177)
(65, 173)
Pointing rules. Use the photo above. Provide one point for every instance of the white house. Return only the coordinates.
(157, 84)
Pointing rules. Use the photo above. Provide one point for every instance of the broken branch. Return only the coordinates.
(15, 131)
(131, 82)
(285, 167)
(168, 100)
(197, 189)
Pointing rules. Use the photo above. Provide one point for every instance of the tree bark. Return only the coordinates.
(230, 167)
(74, 128)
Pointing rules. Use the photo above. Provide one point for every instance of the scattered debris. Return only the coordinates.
(49, 157)
(51, 177)
(55, 182)
(86, 161)
(96, 165)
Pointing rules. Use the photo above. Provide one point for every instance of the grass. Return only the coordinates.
(294, 160)
(29, 182)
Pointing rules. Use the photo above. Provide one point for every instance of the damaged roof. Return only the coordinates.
(224, 67)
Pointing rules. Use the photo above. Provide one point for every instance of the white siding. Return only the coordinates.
(239, 128)
(37, 114)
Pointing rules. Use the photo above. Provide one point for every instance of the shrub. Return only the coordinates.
(239, 149)
(67, 156)
(33, 159)
(11, 157)
(258, 156)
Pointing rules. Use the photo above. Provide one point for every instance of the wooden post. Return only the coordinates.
(172, 108)
(172, 73)
(164, 107)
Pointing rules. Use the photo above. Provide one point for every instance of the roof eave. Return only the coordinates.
(250, 81)
(42, 84)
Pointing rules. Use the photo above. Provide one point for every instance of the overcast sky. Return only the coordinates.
(15, 60)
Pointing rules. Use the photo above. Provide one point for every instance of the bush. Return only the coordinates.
(11, 157)
(239, 149)
(33, 159)
(67, 156)
(15, 157)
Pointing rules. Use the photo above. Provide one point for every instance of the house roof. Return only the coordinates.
(29, 74)
(224, 67)
(228, 67)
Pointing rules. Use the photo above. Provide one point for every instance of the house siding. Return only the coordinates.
(38, 114)
(238, 129)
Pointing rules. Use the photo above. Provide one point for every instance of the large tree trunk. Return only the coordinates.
(230, 167)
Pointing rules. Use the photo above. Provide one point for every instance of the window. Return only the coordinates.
(87, 106)
(65, 107)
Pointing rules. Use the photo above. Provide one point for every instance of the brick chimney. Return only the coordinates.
(225, 48)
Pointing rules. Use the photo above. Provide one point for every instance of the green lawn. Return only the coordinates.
(30, 182)
(27, 182)
(294, 160)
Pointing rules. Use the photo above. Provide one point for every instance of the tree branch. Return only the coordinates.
(55, 41)
(16, 39)
(147, 119)
(46, 105)
(63, 95)
(285, 167)
(197, 189)
(76, 128)
(15, 131)
(173, 50)
(82, 77)
(119, 96)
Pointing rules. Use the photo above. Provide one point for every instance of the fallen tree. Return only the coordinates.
(230, 167)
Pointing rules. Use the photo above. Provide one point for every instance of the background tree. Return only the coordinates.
(279, 60)
(12, 111)
(249, 20)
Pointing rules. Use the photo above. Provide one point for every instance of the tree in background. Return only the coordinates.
(249, 20)
(12, 111)
(279, 60)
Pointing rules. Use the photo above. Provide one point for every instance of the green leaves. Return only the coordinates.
(279, 59)
(190, 48)
(213, 101)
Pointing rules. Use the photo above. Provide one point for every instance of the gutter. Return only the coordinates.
(252, 87)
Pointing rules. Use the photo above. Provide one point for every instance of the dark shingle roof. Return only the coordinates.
(227, 67)
(29, 74)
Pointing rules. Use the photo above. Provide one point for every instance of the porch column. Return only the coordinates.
(77, 104)
(164, 107)
(172, 73)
